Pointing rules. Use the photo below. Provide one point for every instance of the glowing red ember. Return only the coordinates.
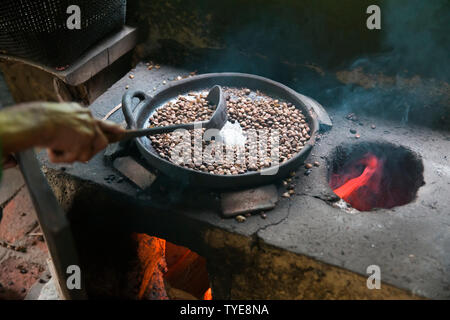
(360, 183)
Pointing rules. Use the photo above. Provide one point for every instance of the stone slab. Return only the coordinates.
(10, 184)
(93, 61)
(17, 277)
(250, 200)
(134, 171)
(19, 218)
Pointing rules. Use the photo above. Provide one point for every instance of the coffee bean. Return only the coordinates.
(260, 112)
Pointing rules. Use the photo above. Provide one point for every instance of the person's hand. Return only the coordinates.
(69, 131)
(73, 134)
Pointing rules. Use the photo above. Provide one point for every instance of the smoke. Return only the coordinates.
(418, 33)
(320, 48)
(399, 72)
(261, 39)
(409, 79)
(415, 39)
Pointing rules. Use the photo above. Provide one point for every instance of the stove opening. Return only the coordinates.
(375, 175)
(162, 270)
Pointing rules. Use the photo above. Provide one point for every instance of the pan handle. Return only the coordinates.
(127, 101)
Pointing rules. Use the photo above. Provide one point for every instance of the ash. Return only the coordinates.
(232, 134)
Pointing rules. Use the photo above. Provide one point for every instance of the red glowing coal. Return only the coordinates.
(360, 183)
(375, 175)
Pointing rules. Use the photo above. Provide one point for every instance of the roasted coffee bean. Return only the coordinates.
(253, 111)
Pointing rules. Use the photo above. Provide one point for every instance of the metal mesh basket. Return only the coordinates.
(37, 30)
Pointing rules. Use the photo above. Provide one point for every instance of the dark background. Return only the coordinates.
(321, 48)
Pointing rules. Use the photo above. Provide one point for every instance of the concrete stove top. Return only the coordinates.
(306, 248)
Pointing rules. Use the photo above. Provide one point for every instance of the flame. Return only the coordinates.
(149, 252)
(207, 295)
(360, 190)
(169, 271)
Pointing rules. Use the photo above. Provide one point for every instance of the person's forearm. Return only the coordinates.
(68, 131)
(21, 127)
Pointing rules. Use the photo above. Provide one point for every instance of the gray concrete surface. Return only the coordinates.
(411, 243)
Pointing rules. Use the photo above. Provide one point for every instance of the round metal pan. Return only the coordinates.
(147, 105)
